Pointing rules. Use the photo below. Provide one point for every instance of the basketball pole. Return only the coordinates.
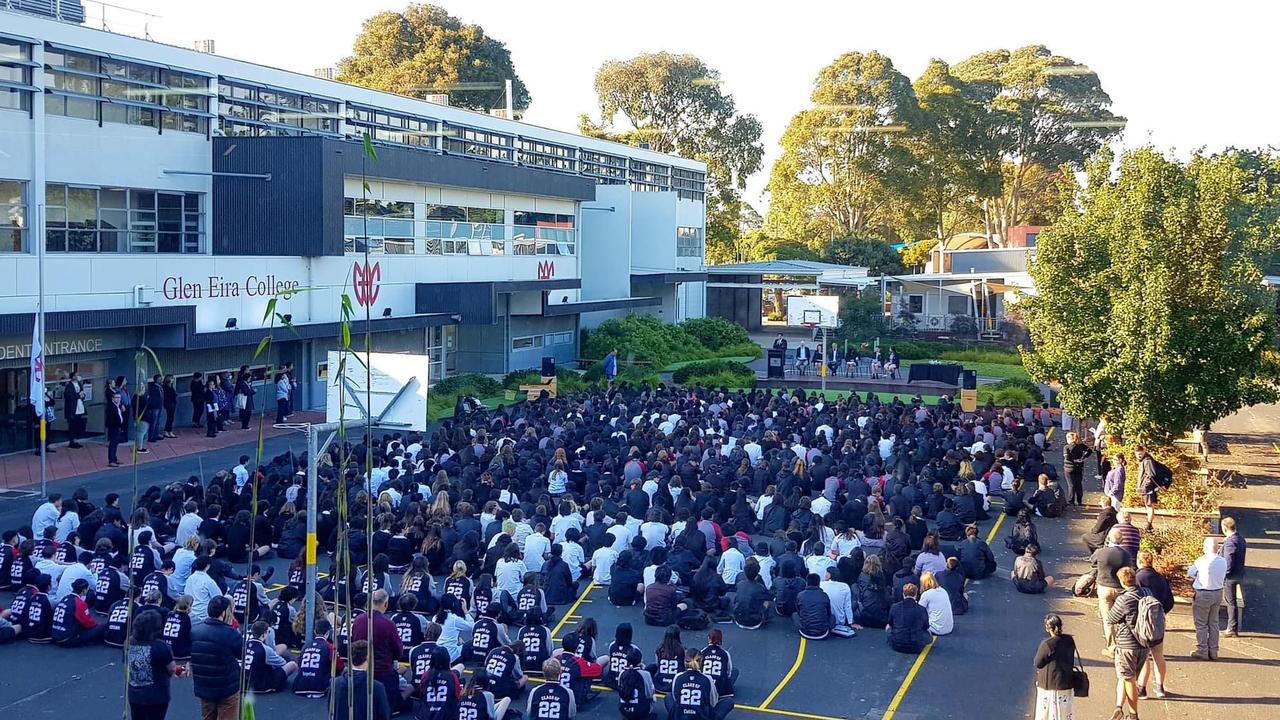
(826, 361)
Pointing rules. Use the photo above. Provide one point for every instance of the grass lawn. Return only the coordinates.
(676, 366)
(998, 370)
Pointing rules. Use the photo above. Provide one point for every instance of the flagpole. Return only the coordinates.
(44, 426)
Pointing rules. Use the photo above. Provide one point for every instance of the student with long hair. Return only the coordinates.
(636, 691)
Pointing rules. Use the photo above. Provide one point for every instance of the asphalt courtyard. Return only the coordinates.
(982, 670)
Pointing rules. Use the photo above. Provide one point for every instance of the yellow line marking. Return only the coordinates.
(751, 708)
(915, 667)
(572, 608)
(786, 678)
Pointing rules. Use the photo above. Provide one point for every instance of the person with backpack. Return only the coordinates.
(1147, 577)
(1107, 562)
(1137, 622)
(1022, 534)
(1153, 476)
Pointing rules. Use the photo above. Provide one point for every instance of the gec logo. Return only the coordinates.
(366, 282)
(546, 269)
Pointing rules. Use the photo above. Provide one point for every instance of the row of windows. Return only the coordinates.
(13, 216)
(494, 245)
(92, 219)
(362, 208)
(15, 75)
(536, 341)
(248, 110)
(111, 90)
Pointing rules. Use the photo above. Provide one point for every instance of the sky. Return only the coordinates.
(1186, 75)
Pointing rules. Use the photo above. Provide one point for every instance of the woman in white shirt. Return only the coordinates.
(936, 600)
(183, 559)
(68, 523)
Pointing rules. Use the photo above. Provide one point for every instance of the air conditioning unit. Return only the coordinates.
(437, 98)
(143, 295)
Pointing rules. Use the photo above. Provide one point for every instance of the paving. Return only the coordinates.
(982, 670)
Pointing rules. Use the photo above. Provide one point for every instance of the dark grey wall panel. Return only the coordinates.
(407, 164)
(475, 302)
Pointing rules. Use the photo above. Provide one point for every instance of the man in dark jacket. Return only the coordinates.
(197, 390)
(1073, 455)
(1097, 537)
(908, 623)
(216, 649)
(155, 409)
(385, 642)
(813, 610)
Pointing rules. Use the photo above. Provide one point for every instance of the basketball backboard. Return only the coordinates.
(813, 311)
(397, 388)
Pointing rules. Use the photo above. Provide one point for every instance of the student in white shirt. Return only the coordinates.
(572, 553)
(767, 563)
(936, 600)
(731, 565)
(654, 531)
(602, 565)
(536, 548)
(819, 561)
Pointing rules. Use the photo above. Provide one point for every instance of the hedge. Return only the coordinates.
(710, 367)
(568, 380)
(716, 333)
(722, 380)
(1026, 384)
(467, 383)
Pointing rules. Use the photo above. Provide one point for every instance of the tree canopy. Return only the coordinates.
(872, 253)
(425, 50)
(1150, 307)
(675, 104)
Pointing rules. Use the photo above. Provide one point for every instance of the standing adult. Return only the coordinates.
(384, 642)
(73, 397)
(1233, 549)
(1074, 453)
(1208, 576)
(1130, 654)
(1054, 662)
(611, 366)
(1148, 482)
(780, 343)
(170, 405)
(1107, 562)
(155, 409)
(151, 665)
(1113, 485)
(142, 413)
(244, 398)
(215, 663)
(197, 390)
(282, 413)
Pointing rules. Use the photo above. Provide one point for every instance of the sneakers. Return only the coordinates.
(1142, 692)
(1197, 655)
(1159, 693)
(1118, 714)
(143, 451)
(266, 576)
(1231, 633)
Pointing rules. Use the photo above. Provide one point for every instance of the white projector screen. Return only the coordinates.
(391, 372)
(822, 309)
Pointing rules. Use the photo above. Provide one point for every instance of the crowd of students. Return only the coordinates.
(746, 507)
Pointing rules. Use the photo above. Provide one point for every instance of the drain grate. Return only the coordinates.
(17, 494)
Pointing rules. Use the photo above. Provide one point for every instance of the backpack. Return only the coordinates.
(1163, 476)
(1020, 537)
(698, 620)
(1148, 628)
(1084, 585)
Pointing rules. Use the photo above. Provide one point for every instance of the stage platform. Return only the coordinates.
(882, 386)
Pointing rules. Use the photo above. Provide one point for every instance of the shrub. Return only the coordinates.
(710, 367)
(748, 349)
(635, 376)
(1022, 383)
(514, 379)
(1004, 397)
(721, 379)
(467, 383)
(716, 333)
(569, 381)
(643, 338)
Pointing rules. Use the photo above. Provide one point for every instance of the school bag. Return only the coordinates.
(1084, 585)
(1163, 475)
(1148, 628)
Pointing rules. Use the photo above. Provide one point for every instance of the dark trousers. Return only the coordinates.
(245, 416)
(1232, 599)
(197, 412)
(282, 409)
(1076, 479)
(212, 422)
(148, 712)
(114, 435)
(75, 427)
(92, 636)
(719, 712)
(169, 412)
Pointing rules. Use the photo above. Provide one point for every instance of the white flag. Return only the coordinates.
(37, 370)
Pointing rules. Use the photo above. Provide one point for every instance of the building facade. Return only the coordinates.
(171, 197)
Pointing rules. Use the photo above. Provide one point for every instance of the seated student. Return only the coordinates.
(707, 591)
(557, 578)
(532, 597)
(145, 559)
(936, 602)
(118, 623)
(976, 557)
(410, 626)
(110, 586)
(159, 580)
(351, 691)
(669, 658)
(454, 625)
(1014, 499)
(1048, 499)
(1022, 534)
(618, 652)
(73, 626)
(813, 616)
(315, 664)
(718, 665)
(751, 599)
(693, 695)
(280, 615)
(949, 525)
(507, 679)
(248, 598)
(908, 623)
(1107, 519)
(576, 672)
(626, 585)
(267, 670)
(952, 580)
(1028, 572)
(39, 612)
(635, 687)
(786, 588)
(420, 655)
(535, 643)
(486, 635)
(417, 581)
(841, 601)
(478, 701)
(551, 701)
(438, 690)
(662, 605)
